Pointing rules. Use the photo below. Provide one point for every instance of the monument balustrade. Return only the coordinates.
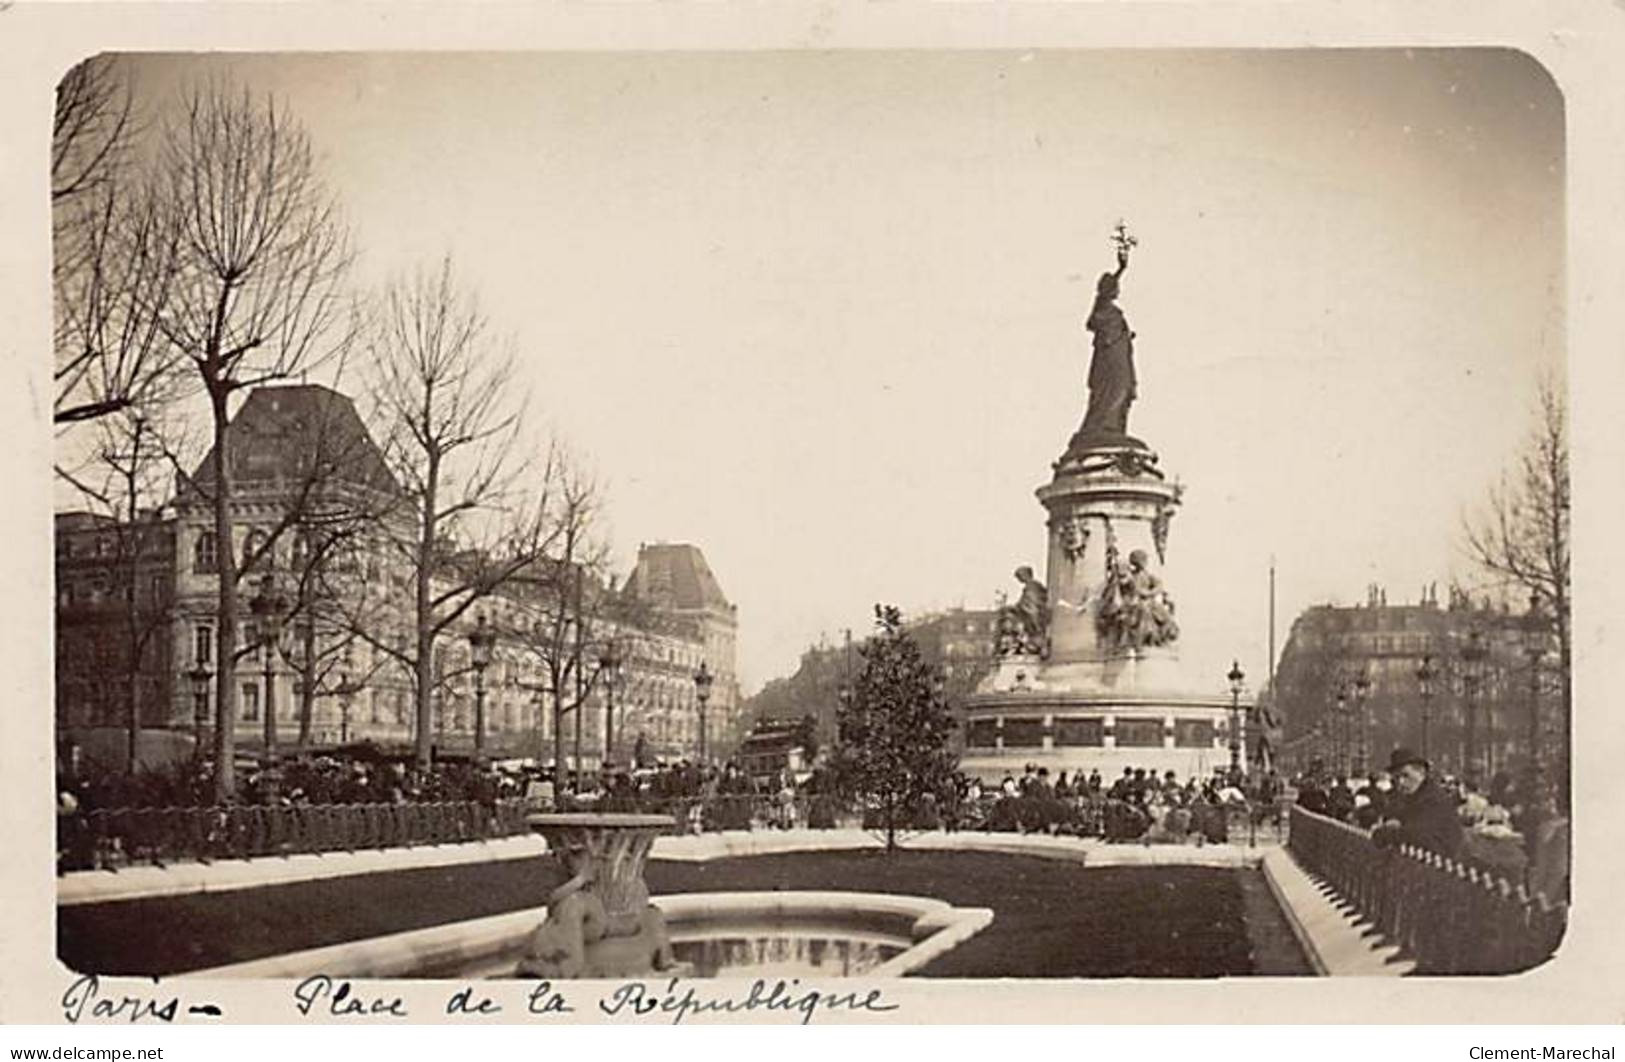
(1449, 917)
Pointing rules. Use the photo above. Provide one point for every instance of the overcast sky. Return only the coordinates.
(821, 313)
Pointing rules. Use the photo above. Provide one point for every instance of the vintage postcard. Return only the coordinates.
(840, 514)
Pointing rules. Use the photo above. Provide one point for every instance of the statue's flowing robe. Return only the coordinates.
(1111, 371)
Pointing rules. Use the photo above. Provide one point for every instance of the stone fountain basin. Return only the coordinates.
(921, 928)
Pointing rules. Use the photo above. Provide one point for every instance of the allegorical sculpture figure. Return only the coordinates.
(1111, 369)
(1135, 610)
(1023, 627)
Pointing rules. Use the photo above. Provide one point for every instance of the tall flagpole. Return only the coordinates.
(1274, 694)
(1272, 627)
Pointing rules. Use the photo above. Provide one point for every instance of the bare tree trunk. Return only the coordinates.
(423, 631)
(558, 735)
(134, 679)
(307, 685)
(225, 560)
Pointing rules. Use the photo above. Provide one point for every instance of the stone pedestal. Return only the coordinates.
(1092, 701)
(1102, 502)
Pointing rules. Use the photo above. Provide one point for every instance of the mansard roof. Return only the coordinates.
(675, 576)
(281, 433)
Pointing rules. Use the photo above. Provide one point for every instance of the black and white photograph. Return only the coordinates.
(767, 533)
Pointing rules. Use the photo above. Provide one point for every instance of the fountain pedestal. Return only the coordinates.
(600, 922)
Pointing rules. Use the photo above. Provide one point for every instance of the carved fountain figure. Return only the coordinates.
(600, 922)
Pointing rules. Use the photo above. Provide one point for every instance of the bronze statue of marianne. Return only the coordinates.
(1111, 369)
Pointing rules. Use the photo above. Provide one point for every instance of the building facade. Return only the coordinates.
(958, 642)
(333, 680)
(1351, 686)
(676, 585)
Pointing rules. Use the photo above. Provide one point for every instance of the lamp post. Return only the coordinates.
(1362, 693)
(270, 609)
(480, 642)
(346, 699)
(1472, 655)
(1236, 677)
(610, 663)
(200, 677)
(1340, 727)
(1424, 684)
(538, 706)
(702, 693)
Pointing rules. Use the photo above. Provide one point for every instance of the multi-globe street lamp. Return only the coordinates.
(1236, 677)
(270, 608)
(1362, 694)
(200, 676)
(1472, 656)
(1340, 727)
(1425, 674)
(610, 663)
(702, 693)
(346, 701)
(480, 642)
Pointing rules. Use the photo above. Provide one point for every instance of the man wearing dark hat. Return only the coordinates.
(1419, 812)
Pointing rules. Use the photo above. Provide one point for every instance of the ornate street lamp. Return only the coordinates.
(1424, 684)
(702, 692)
(346, 699)
(1362, 691)
(270, 609)
(1340, 727)
(200, 677)
(480, 643)
(1236, 677)
(1472, 656)
(610, 663)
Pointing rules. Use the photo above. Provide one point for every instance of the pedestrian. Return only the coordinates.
(1420, 812)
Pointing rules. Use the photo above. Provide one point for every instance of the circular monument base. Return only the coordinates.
(1098, 730)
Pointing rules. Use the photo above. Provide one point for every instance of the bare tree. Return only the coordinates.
(257, 295)
(1520, 537)
(91, 129)
(346, 494)
(123, 480)
(572, 617)
(114, 255)
(482, 514)
(323, 569)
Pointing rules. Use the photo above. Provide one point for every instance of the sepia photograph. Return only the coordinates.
(737, 528)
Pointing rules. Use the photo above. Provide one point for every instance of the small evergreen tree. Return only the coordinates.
(895, 728)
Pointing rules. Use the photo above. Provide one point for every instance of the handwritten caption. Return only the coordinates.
(322, 997)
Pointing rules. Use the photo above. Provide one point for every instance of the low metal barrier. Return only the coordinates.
(114, 836)
(120, 836)
(1448, 917)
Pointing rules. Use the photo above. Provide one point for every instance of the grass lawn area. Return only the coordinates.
(1051, 918)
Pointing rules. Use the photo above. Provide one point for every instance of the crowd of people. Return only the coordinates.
(715, 797)
(1511, 827)
(1138, 805)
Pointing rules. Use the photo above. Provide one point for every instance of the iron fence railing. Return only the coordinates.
(1446, 916)
(113, 836)
(110, 838)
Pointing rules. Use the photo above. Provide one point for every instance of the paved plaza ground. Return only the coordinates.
(1052, 918)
